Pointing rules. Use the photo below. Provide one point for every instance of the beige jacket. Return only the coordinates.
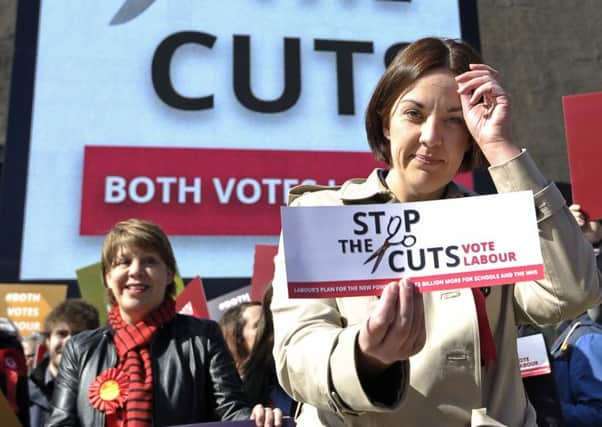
(444, 384)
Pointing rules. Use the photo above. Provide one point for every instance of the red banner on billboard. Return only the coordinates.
(202, 191)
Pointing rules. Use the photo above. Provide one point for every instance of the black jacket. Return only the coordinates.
(194, 377)
(40, 394)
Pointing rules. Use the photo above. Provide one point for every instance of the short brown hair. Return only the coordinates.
(140, 234)
(74, 312)
(407, 67)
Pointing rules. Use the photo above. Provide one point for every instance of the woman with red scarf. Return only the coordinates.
(148, 365)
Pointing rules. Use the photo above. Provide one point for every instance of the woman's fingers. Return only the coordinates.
(266, 417)
(269, 418)
(477, 70)
(277, 417)
(372, 356)
(401, 333)
(409, 333)
(578, 215)
(488, 91)
(380, 321)
(395, 331)
(418, 324)
(258, 414)
(470, 85)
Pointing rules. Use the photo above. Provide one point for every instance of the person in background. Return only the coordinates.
(258, 371)
(148, 365)
(30, 345)
(592, 230)
(13, 371)
(577, 352)
(239, 326)
(542, 390)
(441, 358)
(64, 321)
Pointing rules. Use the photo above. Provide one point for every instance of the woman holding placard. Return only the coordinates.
(439, 358)
(148, 365)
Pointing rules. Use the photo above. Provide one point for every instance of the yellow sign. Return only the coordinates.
(28, 305)
(92, 288)
(8, 417)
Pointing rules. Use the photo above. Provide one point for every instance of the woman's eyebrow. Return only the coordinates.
(412, 101)
(418, 104)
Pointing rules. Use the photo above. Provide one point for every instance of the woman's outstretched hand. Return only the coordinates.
(487, 112)
(394, 331)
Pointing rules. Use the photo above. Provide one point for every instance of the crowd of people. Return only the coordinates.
(402, 359)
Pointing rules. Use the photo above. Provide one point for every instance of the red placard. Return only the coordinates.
(192, 300)
(263, 270)
(583, 128)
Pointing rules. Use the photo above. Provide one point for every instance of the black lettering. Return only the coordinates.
(435, 252)
(358, 221)
(377, 215)
(368, 245)
(355, 245)
(344, 51)
(242, 76)
(450, 252)
(411, 255)
(161, 76)
(392, 265)
(410, 217)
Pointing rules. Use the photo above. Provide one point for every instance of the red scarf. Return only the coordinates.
(487, 344)
(132, 343)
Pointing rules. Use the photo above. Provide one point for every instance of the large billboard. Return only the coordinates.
(197, 115)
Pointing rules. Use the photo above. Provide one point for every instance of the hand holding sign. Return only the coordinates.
(264, 416)
(394, 331)
(592, 230)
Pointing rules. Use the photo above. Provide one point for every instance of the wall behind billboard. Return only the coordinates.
(193, 115)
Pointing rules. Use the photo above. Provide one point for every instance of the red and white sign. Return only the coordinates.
(532, 356)
(337, 251)
(192, 300)
(203, 191)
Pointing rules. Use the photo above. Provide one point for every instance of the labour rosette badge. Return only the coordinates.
(109, 390)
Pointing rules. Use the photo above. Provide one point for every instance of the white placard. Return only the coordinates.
(441, 244)
(532, 356)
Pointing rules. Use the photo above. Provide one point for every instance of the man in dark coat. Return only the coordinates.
(66, 319)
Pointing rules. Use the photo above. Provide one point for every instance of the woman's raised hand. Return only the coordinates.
(394, 331)
(487, 113)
